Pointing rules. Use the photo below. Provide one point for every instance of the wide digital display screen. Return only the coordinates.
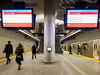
(17, 18)
(82, 18)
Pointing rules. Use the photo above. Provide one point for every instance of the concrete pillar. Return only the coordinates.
(49, 30)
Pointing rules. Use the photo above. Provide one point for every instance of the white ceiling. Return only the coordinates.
(39, 9)
(69, 4)
(59, 9)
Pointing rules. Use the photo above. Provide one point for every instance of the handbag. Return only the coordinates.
(18, 56)
(16, 52)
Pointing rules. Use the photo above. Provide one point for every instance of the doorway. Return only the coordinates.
(95, 50)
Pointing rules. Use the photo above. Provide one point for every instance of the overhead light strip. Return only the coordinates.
(71, 35)
(28, 34)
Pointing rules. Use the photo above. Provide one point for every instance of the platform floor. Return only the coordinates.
(65, 64)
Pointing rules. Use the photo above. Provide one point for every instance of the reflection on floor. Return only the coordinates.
(65, 64)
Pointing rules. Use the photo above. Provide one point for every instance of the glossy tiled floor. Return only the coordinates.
(64, 65)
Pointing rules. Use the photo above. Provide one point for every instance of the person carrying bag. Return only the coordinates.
(19, 55)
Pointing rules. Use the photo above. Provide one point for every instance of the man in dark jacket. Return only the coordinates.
(70, 49)
(8, 50)
(33, 51)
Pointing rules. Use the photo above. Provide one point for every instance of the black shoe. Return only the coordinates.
(35, 56)
(6, 63)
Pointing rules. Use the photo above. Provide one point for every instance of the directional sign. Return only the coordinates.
(61, 34)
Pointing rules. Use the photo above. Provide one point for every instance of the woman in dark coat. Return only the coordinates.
(33, 51)
(19, 56)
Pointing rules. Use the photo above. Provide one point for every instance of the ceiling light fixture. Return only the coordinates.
(28, 34)
(71, 35)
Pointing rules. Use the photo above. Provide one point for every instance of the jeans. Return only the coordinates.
(7, 56)
(70, 52)
(78, 52)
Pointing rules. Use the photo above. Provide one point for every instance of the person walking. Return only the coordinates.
(70, 49)
(33, 51)
(19, 55)
(8, 50)
(78, 49)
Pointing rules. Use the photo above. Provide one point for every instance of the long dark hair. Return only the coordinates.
(20, 44)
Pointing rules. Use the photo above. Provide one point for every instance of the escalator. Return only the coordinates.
(58, 48)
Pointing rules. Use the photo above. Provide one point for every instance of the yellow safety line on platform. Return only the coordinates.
(84, 56)
(14, 56)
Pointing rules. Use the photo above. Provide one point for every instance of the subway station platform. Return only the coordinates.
(65, 64)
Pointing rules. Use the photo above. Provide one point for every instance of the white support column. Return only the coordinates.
(49, 30)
